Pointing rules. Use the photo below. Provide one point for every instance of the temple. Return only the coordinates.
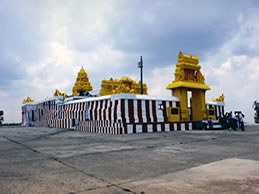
(119, 108)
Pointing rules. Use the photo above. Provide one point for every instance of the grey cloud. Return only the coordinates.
(21, 32)
(21, 38)
(193, 27)
(249, 44)
(243, 49)
(156, 30)
(10, 70)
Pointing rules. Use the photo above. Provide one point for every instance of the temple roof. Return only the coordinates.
(191, 85)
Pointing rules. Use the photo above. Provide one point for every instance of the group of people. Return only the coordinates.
(232, 120)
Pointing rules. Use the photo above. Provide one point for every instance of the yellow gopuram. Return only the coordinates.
(82, 83)
(27, 100)
(188, 77)
(123, 85)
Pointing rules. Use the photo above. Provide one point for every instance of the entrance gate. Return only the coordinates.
(189, 78)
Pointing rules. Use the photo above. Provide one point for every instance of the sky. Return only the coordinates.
(43, 45)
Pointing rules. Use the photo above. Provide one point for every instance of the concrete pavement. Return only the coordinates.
(48, 160)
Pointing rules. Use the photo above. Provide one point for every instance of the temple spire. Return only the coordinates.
(82, 83)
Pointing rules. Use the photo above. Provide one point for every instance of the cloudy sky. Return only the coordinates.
(43, 45)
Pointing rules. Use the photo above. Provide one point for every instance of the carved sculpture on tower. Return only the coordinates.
(188, 70)
(219, 99)
(58, 93)
(27, 100)
(123, 85)
(82, 83)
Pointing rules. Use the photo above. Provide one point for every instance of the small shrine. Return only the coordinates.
(123, 85)
(188, 77)
(82, 83)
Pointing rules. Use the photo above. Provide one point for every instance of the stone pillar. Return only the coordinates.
(198, 105)
(181, 93)
(203, 105)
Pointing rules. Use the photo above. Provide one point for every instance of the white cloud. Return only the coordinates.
(238, 79)
(159, 80)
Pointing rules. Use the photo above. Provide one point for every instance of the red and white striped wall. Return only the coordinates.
(114, 114)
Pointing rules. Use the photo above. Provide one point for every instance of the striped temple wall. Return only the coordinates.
(116, 114)
(28, 114)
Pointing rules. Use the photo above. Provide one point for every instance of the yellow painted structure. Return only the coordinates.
(211, 113)
(58, 93)
(27, 100)
(123, 85)
(188, 77)
(82, 83)
(173, 114)
(219, 99)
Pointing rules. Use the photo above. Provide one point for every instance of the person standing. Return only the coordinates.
(230, 120)
(210, 123)
(225, 121)
(234, 122)
(241, 118)
(238, 121)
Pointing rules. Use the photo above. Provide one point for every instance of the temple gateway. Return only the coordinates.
(119, 108)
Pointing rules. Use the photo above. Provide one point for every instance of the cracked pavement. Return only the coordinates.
(49, 160)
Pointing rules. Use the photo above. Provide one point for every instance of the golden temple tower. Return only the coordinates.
(123, 85)
(82, 83)
(188, 77)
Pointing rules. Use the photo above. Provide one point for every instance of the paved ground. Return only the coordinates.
(45, 160)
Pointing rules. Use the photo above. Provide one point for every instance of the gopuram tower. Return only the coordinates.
(82, 83)
(188, 77)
